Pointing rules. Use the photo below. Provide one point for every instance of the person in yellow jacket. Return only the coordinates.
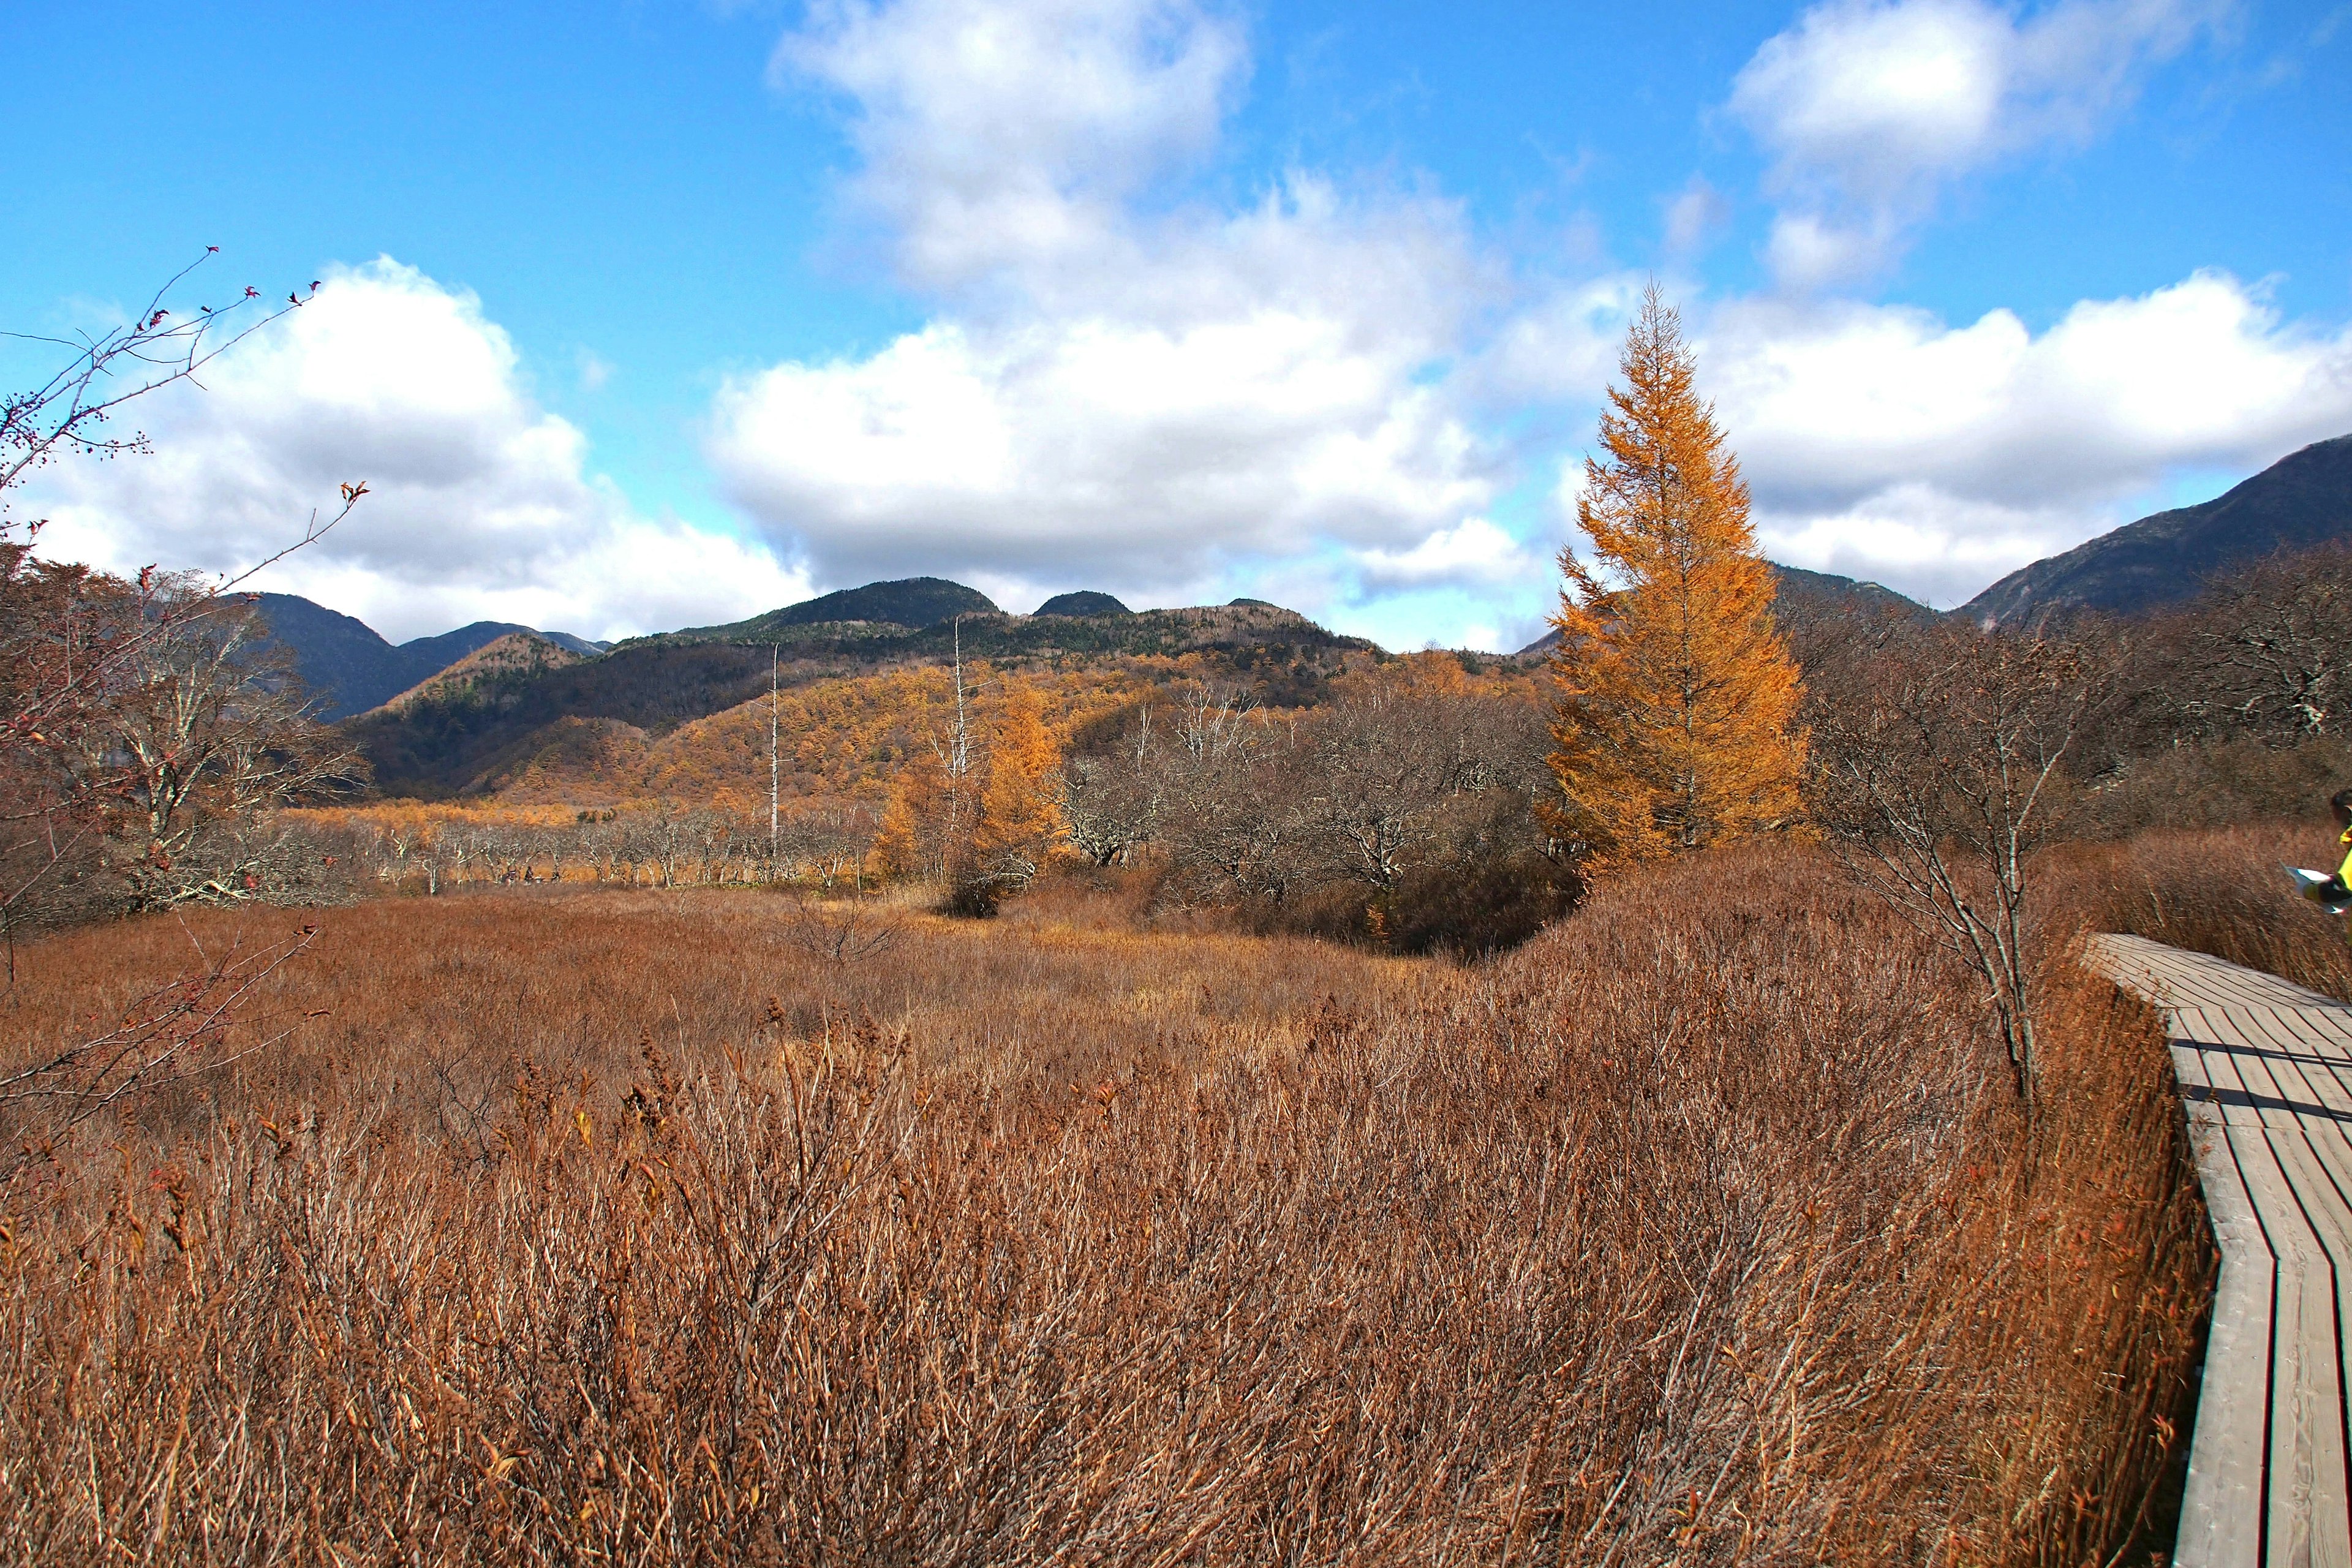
(2335, 892)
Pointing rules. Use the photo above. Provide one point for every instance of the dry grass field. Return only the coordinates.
(666, 1228)
(2219, 890)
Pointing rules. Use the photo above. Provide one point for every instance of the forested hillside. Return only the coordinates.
(486, 731)
(349, 669)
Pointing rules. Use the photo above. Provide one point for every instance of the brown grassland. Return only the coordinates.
(662, 1227)
(2217, 890)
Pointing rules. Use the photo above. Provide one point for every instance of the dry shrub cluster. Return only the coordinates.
(2216, 890)
(1697, 1231)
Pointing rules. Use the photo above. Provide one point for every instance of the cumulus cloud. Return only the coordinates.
(1868, 109)
(482, 506)
(1882, 442)
(1001, 136)
(1120, 387)
(1118, 450)
(1472, 551)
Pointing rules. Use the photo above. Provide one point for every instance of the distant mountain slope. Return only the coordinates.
(496, 664)
(1800, 592)
(911, 602)
(2301, 500)
(337, 656)
(440, 653)
(1086, 601)
(653, 685)
(344, 661)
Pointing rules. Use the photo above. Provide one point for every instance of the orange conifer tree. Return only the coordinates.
(1020, 814)
(912, 838)
(1674, 723)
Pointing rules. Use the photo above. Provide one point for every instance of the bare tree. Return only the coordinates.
(1114, 787)
(1935, 767)
(827, 845)
(1233, 807)
(2276, 644)
(76, 645)
(206, 735)
(1389, 769)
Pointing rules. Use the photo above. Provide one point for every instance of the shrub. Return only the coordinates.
(1701, 1226)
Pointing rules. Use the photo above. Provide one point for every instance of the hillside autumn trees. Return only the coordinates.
(1020, 808)
(1675, 720)
(977, 803)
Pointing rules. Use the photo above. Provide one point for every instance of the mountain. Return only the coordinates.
(1083, 602)
(337, 656)
(343, 659)
(2301, 500)
(910, 602)
(471, 732)
(490, 667)
(1799, 594)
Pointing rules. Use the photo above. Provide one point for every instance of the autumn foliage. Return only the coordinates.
(1677, 696)
(1020, 822)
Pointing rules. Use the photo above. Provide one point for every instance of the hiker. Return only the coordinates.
(2336, 891)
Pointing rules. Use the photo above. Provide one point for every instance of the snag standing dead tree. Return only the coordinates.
(1935, 774)
(1677, 698)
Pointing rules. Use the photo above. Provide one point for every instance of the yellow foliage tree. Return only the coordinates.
(1674, 722)
(1020, 808)
(903, 840)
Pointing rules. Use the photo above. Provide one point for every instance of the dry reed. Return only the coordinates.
(1695, 1232)
(2220, 890)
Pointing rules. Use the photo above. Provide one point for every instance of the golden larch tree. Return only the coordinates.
(912, 838)
(1020, 808)
(1674, 723)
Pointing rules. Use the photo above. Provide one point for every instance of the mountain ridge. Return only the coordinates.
(2302, 501)
(458, 734)
(1798, 591)
(353, 668)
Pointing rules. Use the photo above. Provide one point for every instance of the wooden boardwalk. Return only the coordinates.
(2265, 1071)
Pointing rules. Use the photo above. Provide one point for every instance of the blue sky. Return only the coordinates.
(644, 315)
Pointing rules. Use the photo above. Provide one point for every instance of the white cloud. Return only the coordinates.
(1882, 442)
(1121, 389)
(1562, 346)
(1009, 136)
(1869, 108)
(1110, 452)
(481, 506)
(1473, 552)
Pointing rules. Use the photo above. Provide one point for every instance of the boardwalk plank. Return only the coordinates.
(2265, 1074)
(2305, 1461)
(2304, 1159)
(2223, 1505)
